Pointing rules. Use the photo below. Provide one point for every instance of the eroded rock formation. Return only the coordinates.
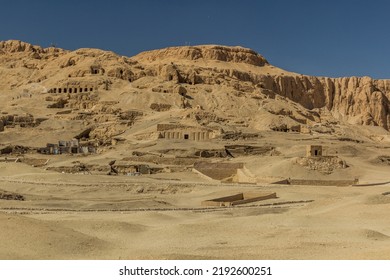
(185, 72)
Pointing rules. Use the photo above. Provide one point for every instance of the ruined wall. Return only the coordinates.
(23, 121)
(322, 182)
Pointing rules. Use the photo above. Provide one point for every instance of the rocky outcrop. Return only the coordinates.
(207, 52)
(11, 196)
(16, 46)
(12, 46)
(361, 101)
(23, 121)
(357, 100)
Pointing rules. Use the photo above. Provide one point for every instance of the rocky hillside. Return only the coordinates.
(214, 85)
(359, 100)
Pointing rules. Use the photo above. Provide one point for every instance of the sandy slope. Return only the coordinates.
(340, 222)
(95, 216)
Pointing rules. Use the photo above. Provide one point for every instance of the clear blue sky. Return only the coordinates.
(323, 38)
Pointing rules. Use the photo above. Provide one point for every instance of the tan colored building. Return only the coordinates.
(314, 151)
(180, 132)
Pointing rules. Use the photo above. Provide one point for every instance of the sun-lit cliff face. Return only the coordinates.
(205, 52)
(359, 99)
(234, 84)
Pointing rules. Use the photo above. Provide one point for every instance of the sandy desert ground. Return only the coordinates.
(84, 216)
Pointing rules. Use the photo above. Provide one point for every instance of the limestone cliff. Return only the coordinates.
(207, 52)
(361, 101)
(357, 100)
(202, 71)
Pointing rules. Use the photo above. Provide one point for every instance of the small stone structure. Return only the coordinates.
(314, 151)
(239, 198)
(67, 147)
(96, 70)
(181, 132)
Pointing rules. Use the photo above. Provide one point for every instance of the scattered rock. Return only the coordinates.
(11, 196)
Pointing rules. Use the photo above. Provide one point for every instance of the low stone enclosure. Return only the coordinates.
(240, 198)
(307, 182)
(227, 172)
(181, 132)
